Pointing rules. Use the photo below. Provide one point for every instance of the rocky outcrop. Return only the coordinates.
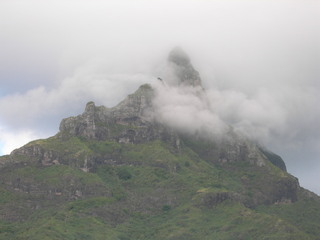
(136, 108)
(129, 122)
(237, 149)
(269, 191)
(37, 154)
(212, 199)
(86, 124)
(227, 150)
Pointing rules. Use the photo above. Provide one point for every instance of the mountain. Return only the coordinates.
(128, 173)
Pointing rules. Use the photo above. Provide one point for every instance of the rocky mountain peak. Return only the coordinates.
(179, 57)
(182, 68)
(114, 170)
(90, 107)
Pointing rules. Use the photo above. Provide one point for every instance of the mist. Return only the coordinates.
(258, 61)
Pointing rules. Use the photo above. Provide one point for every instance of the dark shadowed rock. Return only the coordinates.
(274, 159)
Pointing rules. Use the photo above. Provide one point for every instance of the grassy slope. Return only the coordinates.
(156, 194)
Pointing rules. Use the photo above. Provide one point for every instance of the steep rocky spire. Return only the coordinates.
(179, 57)
(183, 69)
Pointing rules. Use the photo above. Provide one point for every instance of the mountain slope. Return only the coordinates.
(121, 173)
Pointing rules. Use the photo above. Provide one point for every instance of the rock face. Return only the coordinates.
(274, 159)
(128, 122)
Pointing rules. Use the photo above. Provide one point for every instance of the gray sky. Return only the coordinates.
(259, 61)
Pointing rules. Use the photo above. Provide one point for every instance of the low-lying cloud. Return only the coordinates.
(211, 112)
(186, 109)
(281, 116)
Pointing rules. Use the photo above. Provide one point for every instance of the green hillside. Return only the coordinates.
(154, 193)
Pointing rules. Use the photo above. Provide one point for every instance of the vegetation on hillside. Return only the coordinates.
(146, 191)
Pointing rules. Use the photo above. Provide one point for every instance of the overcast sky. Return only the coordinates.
(259, 61)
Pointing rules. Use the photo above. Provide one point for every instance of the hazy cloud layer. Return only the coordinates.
(187, 109)
(259, 62)
(269, 116)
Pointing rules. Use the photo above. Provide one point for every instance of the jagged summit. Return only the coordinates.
(128, 122)
(179, 57)
(182, 68)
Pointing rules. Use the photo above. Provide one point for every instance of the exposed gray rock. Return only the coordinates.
(37, 154)
(128, 122)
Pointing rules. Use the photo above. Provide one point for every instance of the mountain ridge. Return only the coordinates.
(121, 173)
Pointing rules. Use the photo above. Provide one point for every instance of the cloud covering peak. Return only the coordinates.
(183, 104)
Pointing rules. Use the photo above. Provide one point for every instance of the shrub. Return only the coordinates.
(124, 174)
(166, 208)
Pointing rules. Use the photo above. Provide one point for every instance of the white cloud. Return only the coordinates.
(11, 140)
(37, 107)
(256, 116)
(186, 109)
